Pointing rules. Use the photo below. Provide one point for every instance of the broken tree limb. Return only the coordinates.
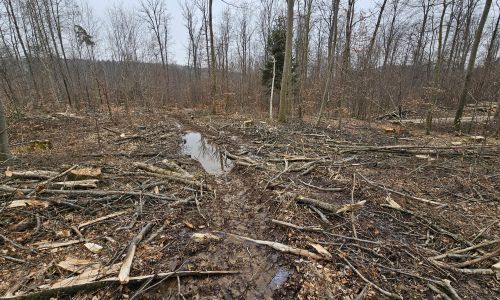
(327, 206)
(106, 217)
(129, 257)
(99, 193)
(37, 174)
(86, 184)
(383, 187)
(73, 288)
(161, 171)
(280, 247)
(173, 166)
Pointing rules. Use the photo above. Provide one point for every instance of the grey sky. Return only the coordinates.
(178, 31)
(177, 48)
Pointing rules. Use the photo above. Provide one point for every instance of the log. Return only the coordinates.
(84, 173)
(37, 174)
(129, 257)
(86, 183)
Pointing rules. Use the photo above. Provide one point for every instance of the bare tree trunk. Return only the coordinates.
(213, 78)
(331, 57)
(272, 90)
(477, 39)
(4, 138)
(287, 66)
(374, 35)
(437, 71)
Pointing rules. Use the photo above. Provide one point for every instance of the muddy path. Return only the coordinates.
(400, 200)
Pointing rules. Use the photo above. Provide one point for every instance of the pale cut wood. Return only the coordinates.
(88, 275)
(281, 247)
(103, 218)
(37, 174)
(49, 245)
(87, 183)
(129, 257)
(84, 173)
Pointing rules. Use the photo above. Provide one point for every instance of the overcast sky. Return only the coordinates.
(178, 31)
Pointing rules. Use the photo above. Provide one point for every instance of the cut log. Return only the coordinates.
(323, 205)
(84, 173)
(85, 184)
(38, 174)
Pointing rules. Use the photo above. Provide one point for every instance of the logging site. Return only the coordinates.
(253, 149)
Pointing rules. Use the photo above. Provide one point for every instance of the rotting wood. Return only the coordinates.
(129, 257)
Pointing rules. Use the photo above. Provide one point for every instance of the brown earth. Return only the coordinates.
(389, 247)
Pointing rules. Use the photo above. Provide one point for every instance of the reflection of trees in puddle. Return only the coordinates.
(211, 158)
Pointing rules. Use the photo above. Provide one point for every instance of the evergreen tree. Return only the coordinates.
(275, 47)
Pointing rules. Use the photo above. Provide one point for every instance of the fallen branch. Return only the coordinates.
(106, 217)
(280, 247)
(73, 288)
(383, 187)
(45, 184)
(129, 257)
(386, 293)
(99, 193)
(37, 174)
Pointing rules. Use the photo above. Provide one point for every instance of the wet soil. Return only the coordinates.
(389, 247)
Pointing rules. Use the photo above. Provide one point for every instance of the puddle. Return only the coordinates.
(279, 279)
(209, 156)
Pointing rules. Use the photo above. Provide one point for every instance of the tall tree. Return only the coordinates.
(4, 138)
(287, 66)
(213, 78)
(470, 67)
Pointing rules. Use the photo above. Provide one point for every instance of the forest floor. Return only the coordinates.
(260, 211)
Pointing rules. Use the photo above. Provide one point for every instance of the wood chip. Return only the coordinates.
(95, 248)
(28, 202)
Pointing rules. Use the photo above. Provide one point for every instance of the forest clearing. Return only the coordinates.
(302, 212)
(253, 149)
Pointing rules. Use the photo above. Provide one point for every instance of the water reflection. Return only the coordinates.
(209, 156)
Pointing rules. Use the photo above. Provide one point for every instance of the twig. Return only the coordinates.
(382, 187)
(388, 294)
(438, 291)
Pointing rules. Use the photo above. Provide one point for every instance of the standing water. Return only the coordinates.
(209, 156)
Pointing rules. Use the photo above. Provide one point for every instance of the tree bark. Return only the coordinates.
(287, 66)
(4, 138)
(470, 67)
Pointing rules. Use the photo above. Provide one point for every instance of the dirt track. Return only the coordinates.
(389, 247)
